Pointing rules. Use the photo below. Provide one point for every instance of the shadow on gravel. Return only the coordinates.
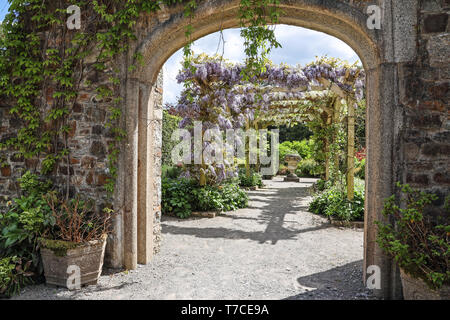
(260, 236)
(53, 293)
(344, 282)
(272, 213)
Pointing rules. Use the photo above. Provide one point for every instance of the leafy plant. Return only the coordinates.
(182, 196)
(254, 180)
(207, 198)
(170, 171)
(226, 197)
(308, 168)
(419, 244)
(177, 196)
(333, 203)
(233, 197)
(25, 220)
(360, 168)
(303, 148)
(13, 275)
(321, 185)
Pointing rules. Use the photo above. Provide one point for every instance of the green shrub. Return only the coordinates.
(182, 196)
(25, 220)
(13, 276)
(419, 244)
(360, 168)
(207, 198)
(177, 196)
(333, 203)
(308, 168)
(321, 185)
(233, 197)
(171, 172)
(226, 197)
(284, 150)
(254, 180)
(303, 148)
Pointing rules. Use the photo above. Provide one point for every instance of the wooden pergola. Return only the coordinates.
(326, 97)
(326, 100)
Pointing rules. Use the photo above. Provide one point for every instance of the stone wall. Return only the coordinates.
(11, 163)
(425, 99)
(88, 141)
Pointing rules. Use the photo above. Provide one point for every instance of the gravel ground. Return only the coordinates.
(274, 249)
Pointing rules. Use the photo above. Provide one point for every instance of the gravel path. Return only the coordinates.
(274, 249)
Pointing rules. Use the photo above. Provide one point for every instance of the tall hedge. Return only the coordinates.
(170, 123)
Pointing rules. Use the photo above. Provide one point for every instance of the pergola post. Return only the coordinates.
(336, 119)
(247, 151)
(327, 149)
(351, 150)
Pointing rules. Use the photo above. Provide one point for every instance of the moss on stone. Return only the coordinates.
(58, 247)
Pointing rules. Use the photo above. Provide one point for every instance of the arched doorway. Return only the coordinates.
(138, 187)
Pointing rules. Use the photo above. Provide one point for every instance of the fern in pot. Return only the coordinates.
(73, 251)
(418, 243)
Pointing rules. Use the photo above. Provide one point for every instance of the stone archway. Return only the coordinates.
(139, 190)
(408, 124)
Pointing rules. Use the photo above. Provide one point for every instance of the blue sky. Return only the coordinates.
(300, 46)
(4, 5)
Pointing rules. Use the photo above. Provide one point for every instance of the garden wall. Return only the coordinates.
(424, 97)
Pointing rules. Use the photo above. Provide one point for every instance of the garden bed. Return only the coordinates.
(347, 224)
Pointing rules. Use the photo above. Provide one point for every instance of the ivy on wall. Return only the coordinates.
(41, 65)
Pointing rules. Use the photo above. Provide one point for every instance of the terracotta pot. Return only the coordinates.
(417, 289)
(87, 256)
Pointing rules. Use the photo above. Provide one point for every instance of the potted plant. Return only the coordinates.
(75, 244)
(419, 244)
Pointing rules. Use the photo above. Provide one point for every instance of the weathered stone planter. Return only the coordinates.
(292, 160)
(417, 289)
(87, 256)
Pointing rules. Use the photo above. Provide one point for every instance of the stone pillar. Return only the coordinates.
(145, 175)
(379, 171)
(130, 212)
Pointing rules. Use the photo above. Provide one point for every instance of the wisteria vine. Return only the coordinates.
(220, 97)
